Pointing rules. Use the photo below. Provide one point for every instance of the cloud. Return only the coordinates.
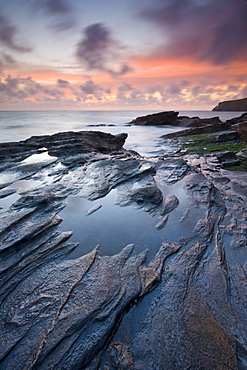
(89, 87)
(124, 69)
(6, 60)
(123, 89)
(204, 30)
(60, 11)
(176, 88)
(97, 49)
(62, 83)
(94, 46)
(8, 35)
(91, 91)
(16, 89)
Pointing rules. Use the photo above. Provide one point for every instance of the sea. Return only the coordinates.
(20, 125)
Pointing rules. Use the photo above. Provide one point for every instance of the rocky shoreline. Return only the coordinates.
(183, 308)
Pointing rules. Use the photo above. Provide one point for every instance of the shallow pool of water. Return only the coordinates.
(112, 227)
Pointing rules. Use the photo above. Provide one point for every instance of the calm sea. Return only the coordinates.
(19, 125)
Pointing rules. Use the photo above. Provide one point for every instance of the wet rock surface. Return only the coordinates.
(182, 307)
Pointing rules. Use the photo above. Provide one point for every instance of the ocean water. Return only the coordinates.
(20, 125)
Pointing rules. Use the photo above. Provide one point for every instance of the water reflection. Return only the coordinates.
(39, 158)
(113, 227)
(6, 202)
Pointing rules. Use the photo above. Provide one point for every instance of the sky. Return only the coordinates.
(122, 54)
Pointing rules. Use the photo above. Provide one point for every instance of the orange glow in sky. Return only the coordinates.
(66, 54)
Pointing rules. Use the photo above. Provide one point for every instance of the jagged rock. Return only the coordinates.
(197, 122)
(157, 119)
(241, 129)
(62, 144)
(162, 222)
(63, 315)
(217, 127)
(169, 204)
(237, 105)
(179, 325)
(150, 194)
(228, 159)
(224, 136)
(82, 313)
(101, 176)
(171, 170)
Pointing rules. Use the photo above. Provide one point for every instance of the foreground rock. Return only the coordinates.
(237, 105)
(63, 145)
(182, 307)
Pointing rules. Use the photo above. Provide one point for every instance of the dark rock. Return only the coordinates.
(82, 313)
(157, 119)
(241, 128)
(178, 317)
(225, 136)
(199, 130)
(62, 144)
(228, 159)
(150, 194)
(237, 105)
(235, 120)
(42, 316)
(197, 122)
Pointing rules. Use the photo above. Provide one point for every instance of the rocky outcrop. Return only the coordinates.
(185, 121)
(240, 125)
(171, 118)
(175, 300)
(63, 144)
(238, 105)
(157, 119)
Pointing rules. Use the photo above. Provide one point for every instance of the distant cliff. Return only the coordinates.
(239, 105)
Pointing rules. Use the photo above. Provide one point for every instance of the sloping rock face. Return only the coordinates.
(157, 119)
(237, 105)
(240, 125)
(185, 306)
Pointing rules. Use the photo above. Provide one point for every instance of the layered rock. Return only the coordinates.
(183, 307)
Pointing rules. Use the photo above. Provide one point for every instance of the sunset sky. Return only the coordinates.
(122, 54)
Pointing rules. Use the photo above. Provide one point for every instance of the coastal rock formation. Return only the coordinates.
(171, 118)
(240, 125)
(176, 299)
(185, 121)
(157, 119)
(238, 105)
(63, 144)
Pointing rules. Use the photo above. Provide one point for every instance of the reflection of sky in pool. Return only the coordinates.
(113, 227)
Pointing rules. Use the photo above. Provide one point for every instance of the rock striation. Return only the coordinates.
(183, 306)
(238, 105)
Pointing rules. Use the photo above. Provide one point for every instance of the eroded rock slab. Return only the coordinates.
(183, 308)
